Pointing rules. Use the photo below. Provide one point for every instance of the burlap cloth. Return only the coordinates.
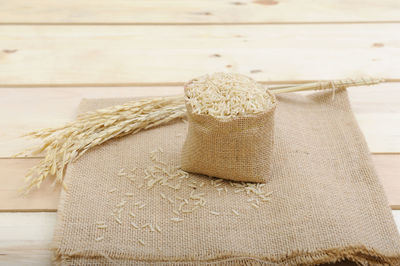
(327, 203)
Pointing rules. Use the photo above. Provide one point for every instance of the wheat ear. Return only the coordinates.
(65, 144)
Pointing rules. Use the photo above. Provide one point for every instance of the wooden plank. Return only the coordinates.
(388, 169)
(35, 108)
(12, 173)
(25, 238)
(106, 55)
(196, 11)
(46, 199)
(377, 109)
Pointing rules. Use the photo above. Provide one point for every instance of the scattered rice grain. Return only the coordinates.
(145, 225)
(121, 204)
(181, 205)
(268, 194)
(112, 190)
(122, 170)
(151, 228)
(103, 226)
(191, 185)
(157, 228)
(171, 200)
(134, 225)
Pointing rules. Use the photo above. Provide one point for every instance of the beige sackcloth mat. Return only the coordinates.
(327, 203)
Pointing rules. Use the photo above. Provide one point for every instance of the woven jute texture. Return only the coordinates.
(327, 203)
(237, 149)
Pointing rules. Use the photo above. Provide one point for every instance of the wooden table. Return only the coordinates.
(54, 53)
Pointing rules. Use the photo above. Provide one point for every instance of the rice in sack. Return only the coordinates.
(231, 127)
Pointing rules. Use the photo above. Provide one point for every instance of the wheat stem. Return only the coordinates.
(326, 85)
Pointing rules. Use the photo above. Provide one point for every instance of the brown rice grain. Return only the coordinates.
(157, 228)
(112, 190)
(134, 225)
(104, 226)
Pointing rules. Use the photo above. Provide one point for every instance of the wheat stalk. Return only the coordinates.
(327, 85)
(63, 145)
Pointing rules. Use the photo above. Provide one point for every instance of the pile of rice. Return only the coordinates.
(226, 95)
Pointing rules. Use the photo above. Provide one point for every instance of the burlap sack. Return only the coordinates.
(237, 149)
(327, 203)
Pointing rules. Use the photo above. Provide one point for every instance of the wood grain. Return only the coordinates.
(388, 169)
(25, 238)
(109, 55)
(12, 173)
(377, 110)
(28, 243)
(196, 11)
(46, 199)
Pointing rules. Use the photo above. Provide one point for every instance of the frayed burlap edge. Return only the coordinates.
(357, 254)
